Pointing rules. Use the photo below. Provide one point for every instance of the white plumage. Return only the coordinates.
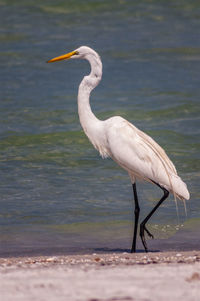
(117, 138)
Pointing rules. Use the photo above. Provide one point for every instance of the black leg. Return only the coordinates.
(136, 212)
(142, 225)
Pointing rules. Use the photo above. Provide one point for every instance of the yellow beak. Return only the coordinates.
(62, 57)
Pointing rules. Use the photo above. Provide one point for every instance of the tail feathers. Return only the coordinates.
(178, 187)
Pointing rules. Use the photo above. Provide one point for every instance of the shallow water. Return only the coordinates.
(56, 192)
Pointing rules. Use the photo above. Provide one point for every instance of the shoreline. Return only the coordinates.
(116, 258)
(152, 276)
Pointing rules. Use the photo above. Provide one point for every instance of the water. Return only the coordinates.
(57, 194)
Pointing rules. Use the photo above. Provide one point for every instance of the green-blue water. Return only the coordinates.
(56, 193)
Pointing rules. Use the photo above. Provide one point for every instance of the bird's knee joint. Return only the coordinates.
(137, 210)
(166, 192)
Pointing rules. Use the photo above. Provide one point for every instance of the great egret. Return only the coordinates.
(131, 148)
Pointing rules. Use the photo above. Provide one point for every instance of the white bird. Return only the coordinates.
(131, 148)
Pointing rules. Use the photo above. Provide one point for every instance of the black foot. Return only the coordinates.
(133, 250)
(142, 229)
(142, 225)
(148, 233)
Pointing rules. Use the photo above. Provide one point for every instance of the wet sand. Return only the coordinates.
(97, 277)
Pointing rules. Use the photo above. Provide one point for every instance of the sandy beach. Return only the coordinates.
(116, 276)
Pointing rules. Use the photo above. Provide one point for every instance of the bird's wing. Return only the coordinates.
(158, 151)
(137, 152)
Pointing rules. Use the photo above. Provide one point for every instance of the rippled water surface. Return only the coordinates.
(57, 194)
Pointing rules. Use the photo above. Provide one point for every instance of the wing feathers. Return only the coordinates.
(140, 155)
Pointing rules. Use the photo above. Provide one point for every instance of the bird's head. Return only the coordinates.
(82, 52)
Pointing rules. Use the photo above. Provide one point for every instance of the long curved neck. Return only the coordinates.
(87, 119)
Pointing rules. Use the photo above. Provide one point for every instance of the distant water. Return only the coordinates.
(57, 194)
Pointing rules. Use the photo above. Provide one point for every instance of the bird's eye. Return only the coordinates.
(76, 53)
